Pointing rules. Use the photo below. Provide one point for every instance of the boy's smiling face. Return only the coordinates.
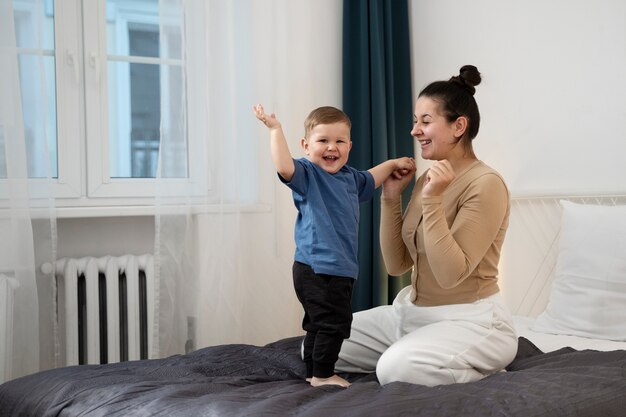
(328, 146)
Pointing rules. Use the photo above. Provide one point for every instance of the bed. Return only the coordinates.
(571, 358)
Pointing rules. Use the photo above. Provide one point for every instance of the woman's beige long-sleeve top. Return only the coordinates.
(452, 241)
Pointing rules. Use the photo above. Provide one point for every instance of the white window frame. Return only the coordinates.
(100, 184)
(67, 73)
(83, 178)
(70, 123)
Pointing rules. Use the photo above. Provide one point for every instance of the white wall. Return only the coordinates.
(553, 96)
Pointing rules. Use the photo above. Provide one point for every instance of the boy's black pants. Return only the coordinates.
(327, 302)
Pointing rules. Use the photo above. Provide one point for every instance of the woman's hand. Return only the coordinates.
(438, 177)
(399, 179)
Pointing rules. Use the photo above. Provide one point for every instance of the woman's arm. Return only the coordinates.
(396, 255)
(454, 252)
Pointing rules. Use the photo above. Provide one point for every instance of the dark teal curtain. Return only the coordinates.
(377, 96)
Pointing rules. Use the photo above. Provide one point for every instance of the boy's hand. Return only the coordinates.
(404, 166)
(399, 178)
(270, 121)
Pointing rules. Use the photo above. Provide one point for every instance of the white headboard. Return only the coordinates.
(529, 252)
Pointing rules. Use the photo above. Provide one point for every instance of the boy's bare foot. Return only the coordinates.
(331, 380)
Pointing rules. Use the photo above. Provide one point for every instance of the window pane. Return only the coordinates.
(134, 118)
(136, 72)
(34, 33)
(123, 16)
(173, 124)
(37, 84)
(34, 24)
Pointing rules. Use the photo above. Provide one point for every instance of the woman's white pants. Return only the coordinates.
(430, 345)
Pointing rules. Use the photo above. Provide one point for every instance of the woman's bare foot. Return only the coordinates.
(331, 380)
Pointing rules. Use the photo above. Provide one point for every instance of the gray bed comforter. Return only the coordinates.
(245, 380)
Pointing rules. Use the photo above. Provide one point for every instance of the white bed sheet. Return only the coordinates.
(551, 342)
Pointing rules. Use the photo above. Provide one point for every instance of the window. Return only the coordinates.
(36, 68)
(134, 91)
(96, 109)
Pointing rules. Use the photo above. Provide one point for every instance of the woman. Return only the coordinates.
(450, 325)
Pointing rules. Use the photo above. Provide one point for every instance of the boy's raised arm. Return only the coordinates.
(283, 161)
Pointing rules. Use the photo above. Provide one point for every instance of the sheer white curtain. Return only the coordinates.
(23, 319)
(224, 249)
(226, 258)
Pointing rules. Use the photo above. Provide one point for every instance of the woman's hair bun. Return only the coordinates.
(468, 77)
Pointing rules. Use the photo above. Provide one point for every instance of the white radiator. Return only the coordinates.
(106, 307)
(7, 290)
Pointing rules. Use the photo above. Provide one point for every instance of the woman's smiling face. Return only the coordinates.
(436, 136)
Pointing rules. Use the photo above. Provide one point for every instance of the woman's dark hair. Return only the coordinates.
(457, 97)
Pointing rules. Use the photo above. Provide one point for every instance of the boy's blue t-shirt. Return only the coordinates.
(327, 225)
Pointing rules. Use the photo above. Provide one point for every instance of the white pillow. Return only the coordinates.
(588, 295)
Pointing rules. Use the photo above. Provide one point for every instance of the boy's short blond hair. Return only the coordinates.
(324, 115)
